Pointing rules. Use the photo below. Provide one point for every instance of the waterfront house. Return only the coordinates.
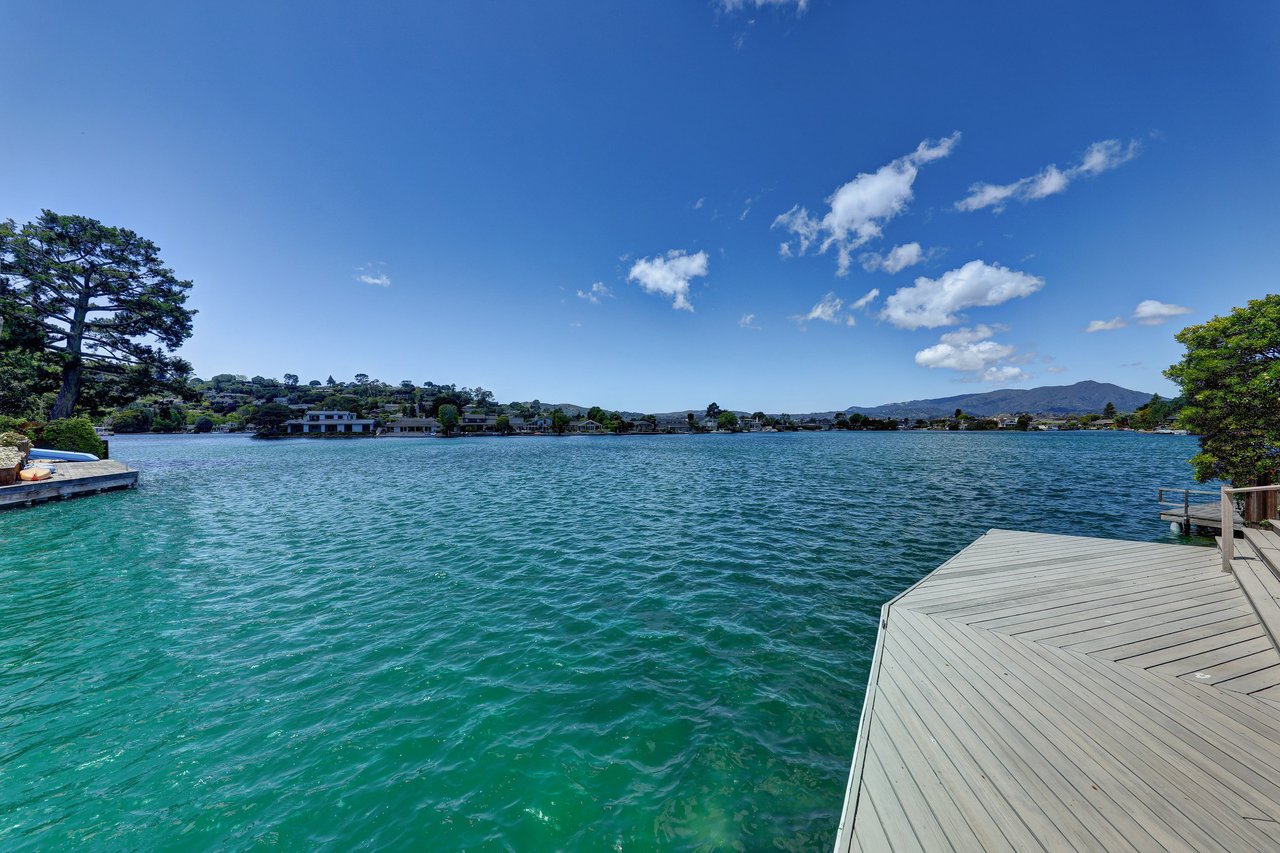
(477, 421)
(412, 427)
(586, 426)
(329, 422)
(642, 426)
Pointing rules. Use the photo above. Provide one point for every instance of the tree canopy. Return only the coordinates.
(99, 300)
(1230, 378)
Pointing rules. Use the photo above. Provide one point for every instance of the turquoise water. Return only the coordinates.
(644, 643)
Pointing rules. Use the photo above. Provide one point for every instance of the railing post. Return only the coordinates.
(1228, 529)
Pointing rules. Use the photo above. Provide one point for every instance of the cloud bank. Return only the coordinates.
(930, 303)
(859, 209)
(1100, 157)
(670, 275)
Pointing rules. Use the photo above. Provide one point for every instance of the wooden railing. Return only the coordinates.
(1229, 519)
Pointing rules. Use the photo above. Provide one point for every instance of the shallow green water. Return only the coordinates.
(646, 643)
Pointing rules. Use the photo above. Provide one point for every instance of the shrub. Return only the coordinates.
(74, 434)
(204, 424)
(10, 424)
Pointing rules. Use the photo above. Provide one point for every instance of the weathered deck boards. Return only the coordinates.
(70, 479)
(1050, 693)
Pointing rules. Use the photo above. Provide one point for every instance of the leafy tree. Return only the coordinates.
(314, 383)
(958, 414)
(1230, 380)
(727, 420)
(1024, 422)
(132, 419)
(268, 419)
(204, 423)
(448, 417)
(597, 414)
(757, 416)
(291, 379)
(331, 381)
(689, 418)
(101, 297)
(713, 411)
(343, 403)
(1109, 411)
(559, 421)
(503, 424)
(362, 379)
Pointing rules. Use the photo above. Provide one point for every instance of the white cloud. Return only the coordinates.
(1151, 312)
(597, 292)
(860, 208)
(1056, 369)
(1007, 373)
(973, 352)
(866, 300)
(748, 321)
(738, 5)
(697, 205)
(898, 258)
(936, 302)
(670, 275)
(1105, 325)
(827, 309)
(372, 274)
(1098, 158)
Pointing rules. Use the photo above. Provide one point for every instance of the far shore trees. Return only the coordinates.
(104, 304)
(268, 419)
(1230, 380)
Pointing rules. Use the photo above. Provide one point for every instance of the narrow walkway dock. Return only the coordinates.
(1043, 692)
(71, 479)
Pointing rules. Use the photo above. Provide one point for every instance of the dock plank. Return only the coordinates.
(1041, 692)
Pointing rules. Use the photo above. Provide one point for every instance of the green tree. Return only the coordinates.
(1024, 422)
(268, 419)
(448, 417)
(713, 411)
(1109, 411)
(559, 421)
(204, 423)
(689, 419)
(133, 418)
(503, 424)
(727, 420)
(102, 298)
(597, 414)
(291, 379)
(1230, 380)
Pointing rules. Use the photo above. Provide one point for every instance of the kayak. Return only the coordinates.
(61, 455)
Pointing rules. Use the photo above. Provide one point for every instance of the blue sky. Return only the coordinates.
(650, 206)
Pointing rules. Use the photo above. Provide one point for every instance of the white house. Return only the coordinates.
(412, 427)
(329, 422)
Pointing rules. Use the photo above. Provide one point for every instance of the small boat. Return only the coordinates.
(61, 455)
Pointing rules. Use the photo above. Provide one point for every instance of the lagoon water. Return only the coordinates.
(636, 643)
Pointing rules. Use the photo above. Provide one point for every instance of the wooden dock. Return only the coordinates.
(1042, 692)
(71, 479)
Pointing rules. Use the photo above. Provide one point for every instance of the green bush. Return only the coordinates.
(12, 439)
(204, 424)
(74, 434)
(10, 424)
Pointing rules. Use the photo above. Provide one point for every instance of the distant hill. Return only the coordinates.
(1080, 398)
